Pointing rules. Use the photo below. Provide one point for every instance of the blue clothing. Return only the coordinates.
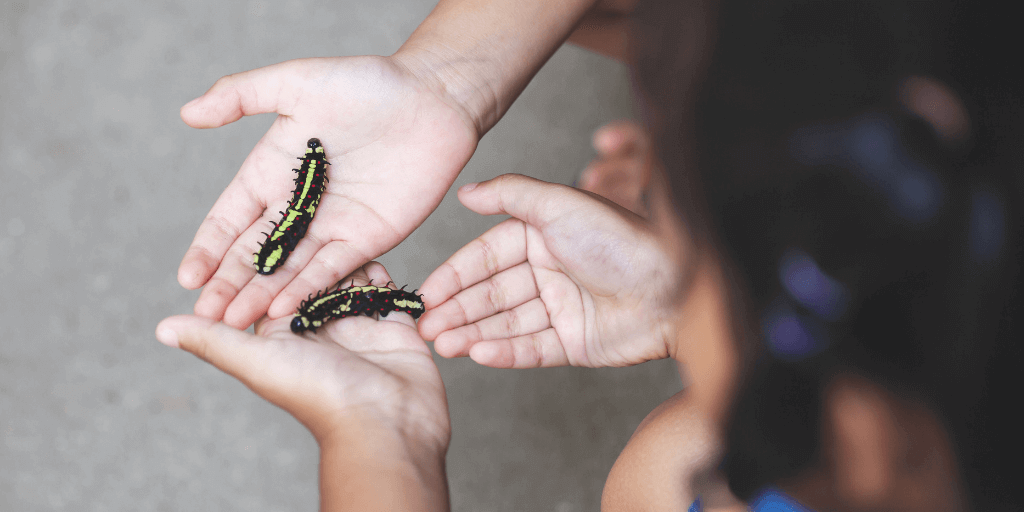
(768, 500)
(774, 500)
(695, 506)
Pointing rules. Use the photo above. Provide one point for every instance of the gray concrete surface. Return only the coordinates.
(102, 189)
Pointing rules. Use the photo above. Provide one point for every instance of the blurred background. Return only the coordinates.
(102, 190)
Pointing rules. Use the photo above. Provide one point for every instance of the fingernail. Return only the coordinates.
(468, 187)
(167, 336)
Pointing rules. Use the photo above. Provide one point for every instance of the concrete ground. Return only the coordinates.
(102, 188)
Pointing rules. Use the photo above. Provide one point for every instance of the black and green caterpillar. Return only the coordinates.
(354, 301)
(309, 187)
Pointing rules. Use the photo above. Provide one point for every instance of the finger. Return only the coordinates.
(262, 292)
(257, 362)
(538, 350)
(235, 352)
(313, 271)
(362, 334)
(528, 318)
(376, 273)
(235, 272)
(618, 138)
(620, 180)
(533, 201)
(505, 290)
(401, 318)
(258, 91)
(263, 322)
(359, 277)
(500, 248)
(235, 210)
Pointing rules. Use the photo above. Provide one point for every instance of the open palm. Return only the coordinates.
(571, 279)
(395, 147)
(352, 368)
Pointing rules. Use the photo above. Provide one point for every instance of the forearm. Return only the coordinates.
(482, 53)
(368, 469)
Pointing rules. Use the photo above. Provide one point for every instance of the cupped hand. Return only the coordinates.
(395, 146)
(355, 370)
(571, 279)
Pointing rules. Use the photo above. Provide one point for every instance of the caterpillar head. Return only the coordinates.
(299, 324)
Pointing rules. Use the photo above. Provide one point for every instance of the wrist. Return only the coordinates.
(367, 465)
(480, 54)
(452, 80)
(413, 437)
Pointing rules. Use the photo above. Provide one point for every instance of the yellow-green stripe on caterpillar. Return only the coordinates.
(309, 187)
(353, 301)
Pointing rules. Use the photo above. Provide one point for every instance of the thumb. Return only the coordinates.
(258, 91)
(234, 352)
(533, 201)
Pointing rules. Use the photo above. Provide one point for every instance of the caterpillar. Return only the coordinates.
(354, 301)
(309, 187)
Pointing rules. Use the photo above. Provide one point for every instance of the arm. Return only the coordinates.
(570, 279)
(368, 391)
(364, 467)
(483, 53)
(397, 131)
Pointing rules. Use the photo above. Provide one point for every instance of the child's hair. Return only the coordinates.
(860, 242)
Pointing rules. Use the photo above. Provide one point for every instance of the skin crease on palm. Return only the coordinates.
(367, 120)
(884, 452)
(691, 327)
(367, 389)
(690, 421)
(306, 367)
(397, 131)
(567, 280)
(364, 110)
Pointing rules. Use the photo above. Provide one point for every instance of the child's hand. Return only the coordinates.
(624, 170)
(355, 375)
(570, 280)
(394, 145)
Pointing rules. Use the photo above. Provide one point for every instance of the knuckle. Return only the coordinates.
(488, 256)
(199, 348)
(224, 81)
(538, 351)
(219, 285)
(496, 295)
(463, 317)
(203, 253)
(455, 275)
(222, 227)
(513, 323)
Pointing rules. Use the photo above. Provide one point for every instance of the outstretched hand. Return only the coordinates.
(354, 371)
(395, 146)
(571, 279)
